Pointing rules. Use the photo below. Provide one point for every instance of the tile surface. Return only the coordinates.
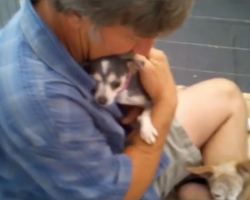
(214, 41)
(214, 32)
(230, 9)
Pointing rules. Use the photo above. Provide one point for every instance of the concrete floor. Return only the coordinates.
(214, 42)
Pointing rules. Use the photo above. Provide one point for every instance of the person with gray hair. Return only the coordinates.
(57, 143)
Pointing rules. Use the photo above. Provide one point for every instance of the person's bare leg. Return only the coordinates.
(214, 115)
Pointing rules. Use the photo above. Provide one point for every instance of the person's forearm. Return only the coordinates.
(145, 158)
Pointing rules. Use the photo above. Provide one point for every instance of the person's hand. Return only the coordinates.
(155, 75)
(132, 115)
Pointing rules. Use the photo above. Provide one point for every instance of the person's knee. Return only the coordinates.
(232, 128)
(212, 103)
(226, 87)
(193, 191)
(187, 190)
(231, 93)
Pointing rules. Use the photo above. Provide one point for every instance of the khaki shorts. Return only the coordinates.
(181, 154)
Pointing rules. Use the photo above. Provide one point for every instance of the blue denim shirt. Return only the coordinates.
(55, 142)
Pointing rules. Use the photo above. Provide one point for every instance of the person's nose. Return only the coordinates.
(143, 46)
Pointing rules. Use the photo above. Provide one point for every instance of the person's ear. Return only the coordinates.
(202, 171)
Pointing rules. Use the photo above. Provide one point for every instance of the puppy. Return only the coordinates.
(228, 181)
(117, 80)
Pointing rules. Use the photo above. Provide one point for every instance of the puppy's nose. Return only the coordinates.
(102, 100)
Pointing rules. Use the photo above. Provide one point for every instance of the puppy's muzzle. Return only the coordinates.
(102, 100)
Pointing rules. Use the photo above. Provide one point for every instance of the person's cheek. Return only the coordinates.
(143, 46)
(120, 46)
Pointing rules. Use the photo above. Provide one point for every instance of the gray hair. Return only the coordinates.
(148, 18)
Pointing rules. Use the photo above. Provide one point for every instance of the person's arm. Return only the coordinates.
(145, 158)
(54, 139)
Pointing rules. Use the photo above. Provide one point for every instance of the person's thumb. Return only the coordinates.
(141, 58)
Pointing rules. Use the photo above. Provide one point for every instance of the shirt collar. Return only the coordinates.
(50, 50)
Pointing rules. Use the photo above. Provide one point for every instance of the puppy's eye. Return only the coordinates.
(115, 84)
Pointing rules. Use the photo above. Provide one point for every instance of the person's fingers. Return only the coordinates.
(130, 137)
(157, 54)
(142, 58)
(132, 115)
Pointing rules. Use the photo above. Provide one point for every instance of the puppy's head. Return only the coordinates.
(226, 181)
(111, 76)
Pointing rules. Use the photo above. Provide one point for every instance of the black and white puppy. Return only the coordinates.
(117, 80)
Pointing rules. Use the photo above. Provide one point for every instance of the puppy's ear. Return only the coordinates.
(243, 168)
(134, 65)
(202, 171)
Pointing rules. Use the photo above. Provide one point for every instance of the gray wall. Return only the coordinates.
(214, 42)
(7, 9)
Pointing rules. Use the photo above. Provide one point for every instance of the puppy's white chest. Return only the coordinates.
(137, 100)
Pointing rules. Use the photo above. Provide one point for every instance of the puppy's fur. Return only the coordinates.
(228, 181)
(117, 80)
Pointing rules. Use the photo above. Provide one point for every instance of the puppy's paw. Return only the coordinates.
(148, 133)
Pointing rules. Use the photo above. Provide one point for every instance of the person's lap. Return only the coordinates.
(200, 111)
(181, 153)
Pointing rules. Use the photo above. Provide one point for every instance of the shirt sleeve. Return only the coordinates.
(56, 142)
